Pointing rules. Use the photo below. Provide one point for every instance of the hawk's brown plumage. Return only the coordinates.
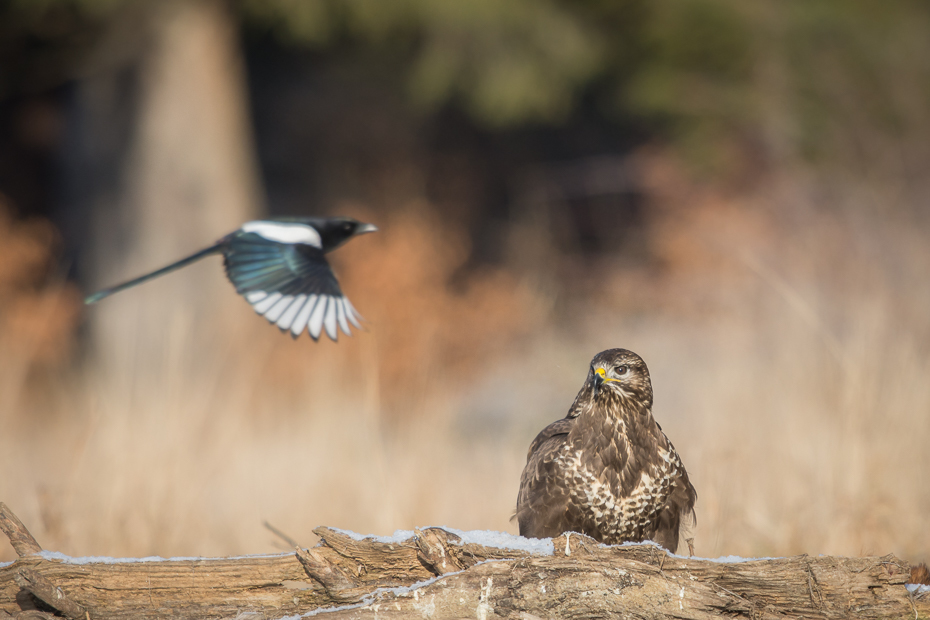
(607, 470)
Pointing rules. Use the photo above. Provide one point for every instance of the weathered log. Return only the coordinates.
(433, 545)
(440, 574)
(39, 587)
(22, 541)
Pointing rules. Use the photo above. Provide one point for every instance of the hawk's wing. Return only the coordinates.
(542, 503)
(290, 284)
(678, 512)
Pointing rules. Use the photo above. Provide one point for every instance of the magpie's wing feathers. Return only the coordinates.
(257, 264)
(290, 284)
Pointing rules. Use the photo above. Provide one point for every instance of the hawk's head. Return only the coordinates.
(618, 374)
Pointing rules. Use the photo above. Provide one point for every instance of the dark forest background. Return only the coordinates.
(737, 191)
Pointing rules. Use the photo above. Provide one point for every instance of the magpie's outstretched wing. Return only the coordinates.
(278, 265)
(290, 284)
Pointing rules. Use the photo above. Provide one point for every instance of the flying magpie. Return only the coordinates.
(279, 266)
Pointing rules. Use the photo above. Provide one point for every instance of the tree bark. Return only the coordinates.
(435, 574)
(187, 177)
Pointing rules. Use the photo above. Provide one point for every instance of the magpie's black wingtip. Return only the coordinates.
(289, 332)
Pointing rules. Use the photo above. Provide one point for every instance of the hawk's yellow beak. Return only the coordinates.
(600, 377)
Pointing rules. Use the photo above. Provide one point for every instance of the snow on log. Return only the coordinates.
(444, 573)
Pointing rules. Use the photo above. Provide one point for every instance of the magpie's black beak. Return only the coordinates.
(365, 228)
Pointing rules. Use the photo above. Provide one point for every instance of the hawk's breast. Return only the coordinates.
(620, 508)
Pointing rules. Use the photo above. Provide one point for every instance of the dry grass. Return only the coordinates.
(789, 346)
(188, 433)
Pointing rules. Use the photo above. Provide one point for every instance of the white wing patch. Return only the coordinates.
(300, 321)
(341, 316)
(314, 313)
(278, 309)
(315, 326)
(330, 320)
(264, 304)
(284, 232)
(351, 313)
(284, 323)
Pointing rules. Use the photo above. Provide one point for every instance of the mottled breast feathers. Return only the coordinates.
(607, 470)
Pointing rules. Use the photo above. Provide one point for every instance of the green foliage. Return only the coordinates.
(784, 78)
(788, 78)
(860, 75)
(694, 80)
(42, 42)
(506, 62)
(34, 11)
(312, 22)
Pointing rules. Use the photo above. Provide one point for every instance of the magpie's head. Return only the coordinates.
(334, 231)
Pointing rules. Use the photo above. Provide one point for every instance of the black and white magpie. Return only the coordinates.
(279, 266)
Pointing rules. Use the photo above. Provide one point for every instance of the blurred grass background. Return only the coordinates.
(739, 193)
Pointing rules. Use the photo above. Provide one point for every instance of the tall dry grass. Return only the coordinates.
(788, 338)
(788, 331)
(187, 445)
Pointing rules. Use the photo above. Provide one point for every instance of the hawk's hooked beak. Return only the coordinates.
(599, 377)
(366, 228)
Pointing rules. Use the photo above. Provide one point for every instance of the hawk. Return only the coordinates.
(279, 266)
(606, 469)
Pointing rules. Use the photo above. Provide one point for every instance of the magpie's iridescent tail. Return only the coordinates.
(213, 249)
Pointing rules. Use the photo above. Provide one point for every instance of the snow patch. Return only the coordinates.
(370, 599)
(485, 538)
(503, 540)
(397, 537)
(101, 559)
(728, 559)
(917, 588)
(723, 559)
(326, 610)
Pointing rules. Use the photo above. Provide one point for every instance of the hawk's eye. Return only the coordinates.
(621, 370)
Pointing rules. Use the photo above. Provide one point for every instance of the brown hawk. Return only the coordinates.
(606, 469)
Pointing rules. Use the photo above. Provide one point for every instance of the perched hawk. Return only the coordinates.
(279, 266)
(607, 470)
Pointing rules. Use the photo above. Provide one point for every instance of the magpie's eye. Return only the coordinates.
(621, 370)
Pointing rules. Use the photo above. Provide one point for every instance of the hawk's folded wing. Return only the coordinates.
(542, 503)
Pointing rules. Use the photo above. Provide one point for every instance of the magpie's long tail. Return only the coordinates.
(213, 249)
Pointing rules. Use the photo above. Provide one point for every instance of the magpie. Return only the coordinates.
(279, 266)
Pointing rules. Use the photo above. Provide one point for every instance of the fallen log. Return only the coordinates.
(440, 573)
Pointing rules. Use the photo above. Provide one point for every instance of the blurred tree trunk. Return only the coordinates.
(188, 177)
